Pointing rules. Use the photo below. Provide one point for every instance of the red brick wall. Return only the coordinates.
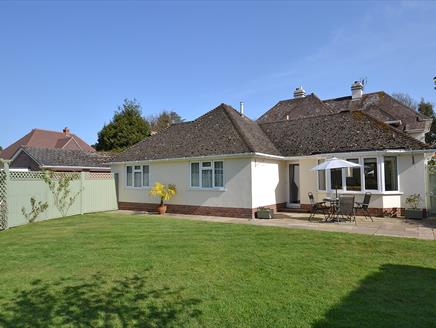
(190, 209)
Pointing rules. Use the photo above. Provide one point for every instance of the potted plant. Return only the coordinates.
(165, 192)
(413, 211)
(264, 213)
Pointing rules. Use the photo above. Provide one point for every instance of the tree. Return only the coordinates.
(164, 120)
(425, 108)
(405, 99)
(126, 128)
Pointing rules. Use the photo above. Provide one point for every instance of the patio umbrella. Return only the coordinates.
(334, 163)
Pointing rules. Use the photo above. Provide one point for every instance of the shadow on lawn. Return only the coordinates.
(98, 302)
(396, 296)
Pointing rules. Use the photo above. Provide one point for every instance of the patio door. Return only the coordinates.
(294, 184)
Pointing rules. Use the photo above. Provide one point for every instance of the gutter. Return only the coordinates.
(76, 168)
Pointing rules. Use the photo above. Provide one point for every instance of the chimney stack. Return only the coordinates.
(241, 108)
(356, 90)
(299, 92)
(66, 131)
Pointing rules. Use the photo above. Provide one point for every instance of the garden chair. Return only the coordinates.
(346, 208)
(317, 207)
(364, 206)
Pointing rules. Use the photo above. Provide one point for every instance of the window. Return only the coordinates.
(137, 176)
(353, 181)
(219, 174)
(336, 178)
(370, 170)
(321, 177)
(129, 176)
(207, 175)
(391, 173)
(195, 174)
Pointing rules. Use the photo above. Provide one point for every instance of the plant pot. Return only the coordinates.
(264, 214)
(162, 209)
(414, 213)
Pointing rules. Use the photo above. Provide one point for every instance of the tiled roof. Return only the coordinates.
(47, 139)
(346, 131)
(64, 157)
(378, 104)
(296, 108)
(223, 130)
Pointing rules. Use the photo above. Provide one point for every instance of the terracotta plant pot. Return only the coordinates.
(162, 209)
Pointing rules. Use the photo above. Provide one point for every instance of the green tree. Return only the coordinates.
(425, 108)
(126, 128)
(163, 120)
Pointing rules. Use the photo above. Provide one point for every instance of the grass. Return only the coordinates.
(117, 270)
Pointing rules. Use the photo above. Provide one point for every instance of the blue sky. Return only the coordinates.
(71, 63)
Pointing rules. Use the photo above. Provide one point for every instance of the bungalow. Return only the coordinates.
(224, 163)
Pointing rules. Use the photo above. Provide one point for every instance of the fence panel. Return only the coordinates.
(3, 201)
(95, 194)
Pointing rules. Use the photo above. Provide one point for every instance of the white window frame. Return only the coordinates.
(141, 171)
(201, 169)
(325, 177)
(380, 176)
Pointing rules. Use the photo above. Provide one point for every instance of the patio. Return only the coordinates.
(392, 227)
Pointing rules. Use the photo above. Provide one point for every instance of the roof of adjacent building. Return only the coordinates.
(221, 131)
(224, 131)
(345, 131)
(378, 104)
(38, 138)
(53, 157)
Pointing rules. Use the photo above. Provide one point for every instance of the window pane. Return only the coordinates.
(321, 177)
(206, 178)
(195, 174)
(370, 169)
(137, 179)
(129, 176)
(336, 178)
(219, 174)
(353, 176)
(145, 176)
(137, 168)
(206, 164)
(391, 173)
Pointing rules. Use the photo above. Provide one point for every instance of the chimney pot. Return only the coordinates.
(241, 108)
(356, 90)
(299, 92)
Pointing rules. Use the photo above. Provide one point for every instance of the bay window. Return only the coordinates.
(207, 175)
(137, 176)
(336, 178)
(391, 173)
(370, 173)
(352, 180)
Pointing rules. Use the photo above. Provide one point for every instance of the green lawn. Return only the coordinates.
(116, 270)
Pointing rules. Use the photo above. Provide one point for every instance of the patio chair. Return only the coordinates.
(317, 207)
(346, 208)
(364, 206)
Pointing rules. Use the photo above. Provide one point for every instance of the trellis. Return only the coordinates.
(3, 201)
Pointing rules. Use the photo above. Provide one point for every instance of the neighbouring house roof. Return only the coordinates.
(60, 158)
(345, 131)
(223, 130)
(378, 104)
(38, 138)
